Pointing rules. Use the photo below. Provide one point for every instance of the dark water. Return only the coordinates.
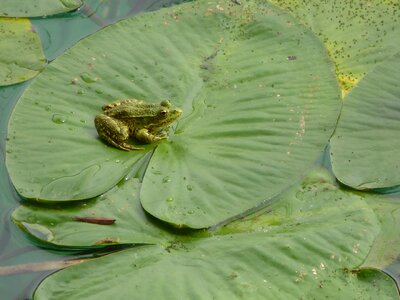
(57, 34)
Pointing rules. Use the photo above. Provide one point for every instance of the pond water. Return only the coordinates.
(57, 34)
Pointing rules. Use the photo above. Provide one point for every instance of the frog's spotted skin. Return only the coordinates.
(134, 118)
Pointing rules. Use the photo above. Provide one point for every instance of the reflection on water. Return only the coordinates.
(57, 34)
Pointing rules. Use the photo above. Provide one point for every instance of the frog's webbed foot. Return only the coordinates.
(127, 147)
(113, 133)
(147, 137)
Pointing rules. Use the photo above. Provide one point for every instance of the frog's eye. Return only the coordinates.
(163, 112)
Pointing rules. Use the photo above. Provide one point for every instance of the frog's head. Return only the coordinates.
(166, 114)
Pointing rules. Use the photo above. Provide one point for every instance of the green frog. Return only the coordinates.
(141, 120)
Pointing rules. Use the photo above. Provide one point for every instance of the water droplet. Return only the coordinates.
(83, 121)
(80, 92)
(169, 199)
(117, 161)
(166, 179)
(86, 77)
(190, 212)
(189, 187)
(98, 91)
(59, 119)
(47, 107)
(69, 3)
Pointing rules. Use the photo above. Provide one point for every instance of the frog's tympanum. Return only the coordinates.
(146, 122)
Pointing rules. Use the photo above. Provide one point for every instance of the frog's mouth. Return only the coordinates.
(170, 127)
(177, 113)
(173, 116)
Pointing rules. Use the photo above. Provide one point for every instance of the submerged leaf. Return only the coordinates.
(21, 53)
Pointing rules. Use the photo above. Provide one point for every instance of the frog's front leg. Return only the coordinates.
(113, 132)
(145, 136)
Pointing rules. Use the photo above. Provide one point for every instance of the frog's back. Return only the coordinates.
(132, 110)
(133, 102)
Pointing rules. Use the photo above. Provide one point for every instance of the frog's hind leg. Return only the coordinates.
(113, 133)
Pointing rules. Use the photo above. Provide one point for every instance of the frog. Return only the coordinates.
(132, 118)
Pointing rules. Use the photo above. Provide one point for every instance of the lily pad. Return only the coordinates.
(21, 53)
(386, 249)
(34, 8)
(113, 218)
(365, 146)
(299, 247)
(258, 94)
(358, 34)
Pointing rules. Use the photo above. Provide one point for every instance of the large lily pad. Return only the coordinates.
(299, 248)
(258, 93)
(33, 8)
(21, 53)
(358, 34)
(365, 146)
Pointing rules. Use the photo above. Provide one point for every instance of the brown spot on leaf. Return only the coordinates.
(96, 220)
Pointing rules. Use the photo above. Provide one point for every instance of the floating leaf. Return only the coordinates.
(299, 248)
(34, 8)
(365, 146)
(21, 53)
(114, 218)
(259, 98)
(385, 252)
(358, 34)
